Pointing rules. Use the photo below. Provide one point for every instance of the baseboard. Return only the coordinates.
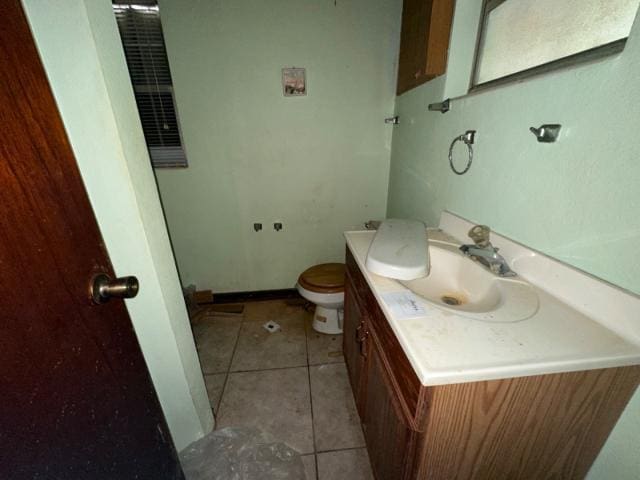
(255, 296)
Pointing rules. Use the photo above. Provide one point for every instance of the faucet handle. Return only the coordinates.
(480, 235)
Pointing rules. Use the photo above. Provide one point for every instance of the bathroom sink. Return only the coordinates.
(458, 284)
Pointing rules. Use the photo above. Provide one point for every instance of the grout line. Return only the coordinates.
(313, 428)
(268, 369)
(319, 364)
(216, 413)
(235, 346)
(208, 374)
(341, 449)
(306, 342)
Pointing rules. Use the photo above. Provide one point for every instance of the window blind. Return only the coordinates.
(144, 48)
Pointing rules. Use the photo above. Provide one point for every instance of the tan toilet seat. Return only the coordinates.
(323, 278)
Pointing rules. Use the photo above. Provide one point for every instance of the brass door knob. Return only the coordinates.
(103, 288)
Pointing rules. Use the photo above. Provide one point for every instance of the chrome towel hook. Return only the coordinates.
(547, 133)
(468, 138)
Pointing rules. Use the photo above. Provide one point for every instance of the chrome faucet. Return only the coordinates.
(485, 253)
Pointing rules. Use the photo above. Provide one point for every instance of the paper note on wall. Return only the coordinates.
(403, 304)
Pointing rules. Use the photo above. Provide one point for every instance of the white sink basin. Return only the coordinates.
(458, 284)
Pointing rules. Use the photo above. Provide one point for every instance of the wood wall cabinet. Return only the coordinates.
(424, 41)
(545, 426)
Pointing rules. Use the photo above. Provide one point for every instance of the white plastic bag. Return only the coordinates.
(241, 453)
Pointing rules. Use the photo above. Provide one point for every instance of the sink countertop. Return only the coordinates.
(446, 348)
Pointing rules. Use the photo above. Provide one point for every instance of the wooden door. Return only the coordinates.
(354, 329)
(76, 399)
(389, 439)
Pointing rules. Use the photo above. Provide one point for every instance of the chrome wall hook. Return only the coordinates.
(547, 133)
(442, 107)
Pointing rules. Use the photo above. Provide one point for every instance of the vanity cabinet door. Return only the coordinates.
(389, 438)
(354, 343)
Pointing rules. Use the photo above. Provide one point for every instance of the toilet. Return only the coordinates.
(323, 285)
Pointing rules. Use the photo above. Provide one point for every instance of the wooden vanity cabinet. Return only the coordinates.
(545, 426)
(386, 429)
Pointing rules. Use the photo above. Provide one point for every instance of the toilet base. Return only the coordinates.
(327, 320)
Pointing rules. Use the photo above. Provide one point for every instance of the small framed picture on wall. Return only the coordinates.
(294, 82)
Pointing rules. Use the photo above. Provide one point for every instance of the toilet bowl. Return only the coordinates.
(323, 285)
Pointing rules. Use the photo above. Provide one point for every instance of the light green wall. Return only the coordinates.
(82, 54)
(318, 164)
(577, 200)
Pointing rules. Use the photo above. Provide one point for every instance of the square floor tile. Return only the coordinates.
(259, 349)
(309, 462)
(215, 339)
(215, 385)
(275, 401)
(272, 309)
(322, 348)
(335, 419)
(344, 465)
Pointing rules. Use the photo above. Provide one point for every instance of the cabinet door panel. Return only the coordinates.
(424, 41)
(406, 379)
(389, 439)
(401, 368)
(354, 323)
(359, 285)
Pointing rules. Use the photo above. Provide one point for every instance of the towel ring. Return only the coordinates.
(468, 138)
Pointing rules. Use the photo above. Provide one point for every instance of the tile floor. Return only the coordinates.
(292, 384)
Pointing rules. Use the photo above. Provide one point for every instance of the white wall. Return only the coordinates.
(80, 48)
(319, 164)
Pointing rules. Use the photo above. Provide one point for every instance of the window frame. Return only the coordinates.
(583, 57)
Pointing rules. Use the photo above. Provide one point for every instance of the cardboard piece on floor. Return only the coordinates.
(203, 296)
(233, 309)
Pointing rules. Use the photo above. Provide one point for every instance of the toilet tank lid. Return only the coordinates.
(399, 250)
